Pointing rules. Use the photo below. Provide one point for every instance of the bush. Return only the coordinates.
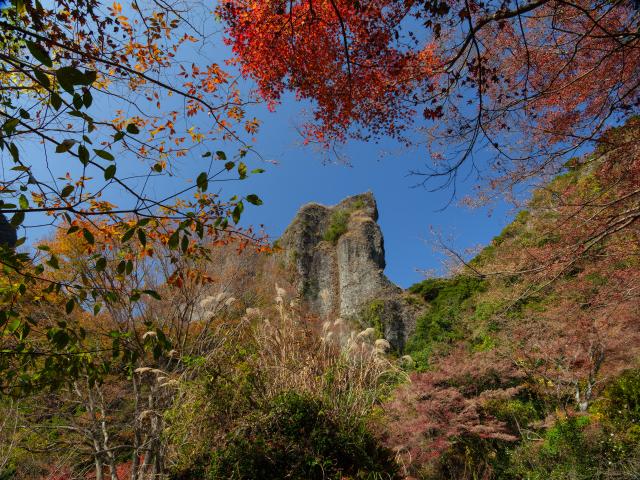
(284, 400)
(568, 451)
(605, 444)
(448, 299)
(338, 224)
(8, 473)
(297, 438)
(620, 401)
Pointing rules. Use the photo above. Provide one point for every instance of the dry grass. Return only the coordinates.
(349, 369)
(282, 350)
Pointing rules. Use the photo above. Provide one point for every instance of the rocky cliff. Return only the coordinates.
(338, 255)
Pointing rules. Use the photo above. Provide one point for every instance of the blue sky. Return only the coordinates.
(407, 213)
(299, 175)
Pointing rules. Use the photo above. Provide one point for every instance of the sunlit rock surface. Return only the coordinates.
(338, 255)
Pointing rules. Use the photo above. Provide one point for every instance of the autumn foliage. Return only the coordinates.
(545, 324)
(157, 337)
(341, 54)
(528, 83)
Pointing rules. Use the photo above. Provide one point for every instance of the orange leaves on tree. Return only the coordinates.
(530, 82)
(332, 51)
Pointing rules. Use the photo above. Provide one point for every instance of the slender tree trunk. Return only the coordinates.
(135, 460)
(106, 448)
(99, 466)
(150, 437)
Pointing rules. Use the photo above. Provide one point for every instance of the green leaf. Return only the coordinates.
(88, 236)
(87, 98)
(53, 262)
(69, 306)
(110, 172)
(68, 77)
(221, 155)
(128, 234)
(129, 267)
(10, 125)
(39, 53)
(184, 244)
(242, 170)
(153, 294)
(142, 237)
(229, 165)
(207, 154)
(118, 136)
(174, 239)
(77, 101)
(66, 191)
(65, 145)
(101, 264)
(104, 154)
(60, 338)
(17, 219)
(55, 100)
(42, 78)
(254, 199)
(133, 129)
(23, 202)
(237, 212)
(13, 149)
(121, 266)
(83, 154)
(73, 229)
(89, 77)
(14, 325)
(203, 181)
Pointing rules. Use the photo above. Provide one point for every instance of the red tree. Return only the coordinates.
(531, 81)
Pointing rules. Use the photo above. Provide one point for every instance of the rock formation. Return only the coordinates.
(338, 255)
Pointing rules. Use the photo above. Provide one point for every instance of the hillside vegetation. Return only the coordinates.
(523, 363)
(526, 358)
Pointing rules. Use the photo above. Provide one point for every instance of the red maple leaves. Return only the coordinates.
(341, 54)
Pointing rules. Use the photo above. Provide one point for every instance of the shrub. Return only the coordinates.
(297, 438)
(371, 316)
(568, 450)
(337, 226)
(284, 400)
(448, 299)
(620, 401)
(8, 473)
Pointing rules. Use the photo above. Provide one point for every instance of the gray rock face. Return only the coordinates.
(338, 255)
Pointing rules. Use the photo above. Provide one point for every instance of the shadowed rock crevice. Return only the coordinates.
(338, 255)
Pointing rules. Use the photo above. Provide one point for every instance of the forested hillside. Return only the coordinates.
(527, 357)
(523, 362)
(150, 330)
